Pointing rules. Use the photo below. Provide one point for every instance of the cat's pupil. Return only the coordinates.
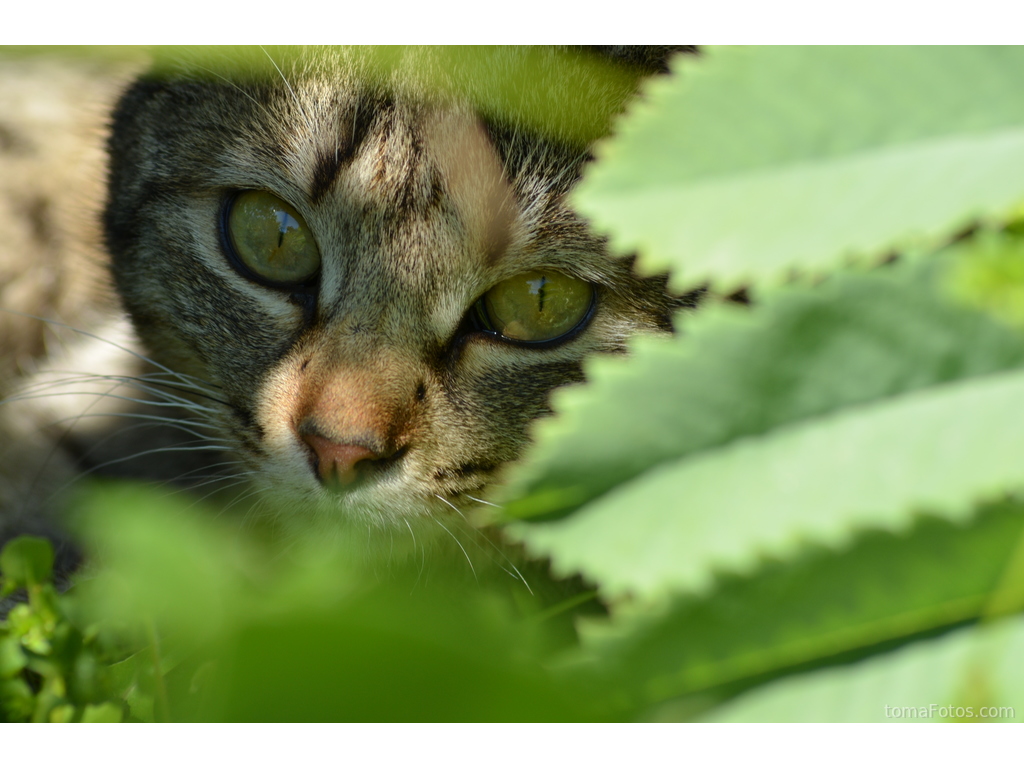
(285, 222)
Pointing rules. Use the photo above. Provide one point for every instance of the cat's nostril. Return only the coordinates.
(336, 463)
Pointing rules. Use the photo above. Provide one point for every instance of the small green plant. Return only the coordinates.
(51, 669)
(190, 618)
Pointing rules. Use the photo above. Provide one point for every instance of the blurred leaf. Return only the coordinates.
(814, 609)
(302, 635)
(16, 700)
(562, 94)
(102, 713)
(61, 713)
(389, 656)
(132, 680)
(163, 558)
(752, 163)
(980, 666)
(988, 273)
(26, 561)
(12, 658)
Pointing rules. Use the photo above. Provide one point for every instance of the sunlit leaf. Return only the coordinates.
(752, 163)
(949, 678)
(733, 373)
(818, 608)
(27, 560)
(818, 482)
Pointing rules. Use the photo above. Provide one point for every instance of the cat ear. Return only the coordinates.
(648, 59)
(135, 100)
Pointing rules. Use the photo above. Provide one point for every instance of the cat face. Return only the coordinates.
(378, 289)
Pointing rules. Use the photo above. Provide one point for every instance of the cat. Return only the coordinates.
(354, 274)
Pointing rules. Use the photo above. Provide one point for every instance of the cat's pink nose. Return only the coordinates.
(336, 463)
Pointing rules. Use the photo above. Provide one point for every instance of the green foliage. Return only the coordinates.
(808, 508)
(798, 355)
(816, 608)
(816, 483)
(754, 163)
(220, 624)
(989, 274)
(829, 473)
(52, 669)
(26, 562)
(973, 674)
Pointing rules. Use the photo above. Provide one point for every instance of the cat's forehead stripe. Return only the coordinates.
(354, 122)
(325, 171)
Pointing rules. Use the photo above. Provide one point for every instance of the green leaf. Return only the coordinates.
(27, 561)
(988, 273)
(818, 608)
(948, 678)
(817, 482)
(17, 702)
(387, 656)
(12, 658)
(161, 560)
(306, 634)
(132, 680)
(61, 713)
(798, 354)
(750, 164)
(103, 713)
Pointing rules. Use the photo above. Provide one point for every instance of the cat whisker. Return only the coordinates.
(239, 499)
(181, 425)
(237, 480)
(458, 511)
(464, 552)
(173, 488)
(185, 474)
(152, 451)
(138, 454)
(302, 111)
(248, 520)
(160, 389)
(481, 501)
(133, 427)
(234, 85)
(493, 545)
(59, 388)
(148, 420)
(423, 554)
(190, 407)
(144, 382)
(141, 382)
(182, 379)
(180, 376)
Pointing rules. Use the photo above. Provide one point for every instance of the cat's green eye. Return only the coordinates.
(271, 239)
(536, 306)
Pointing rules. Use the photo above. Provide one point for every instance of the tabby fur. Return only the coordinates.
(423, 192)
